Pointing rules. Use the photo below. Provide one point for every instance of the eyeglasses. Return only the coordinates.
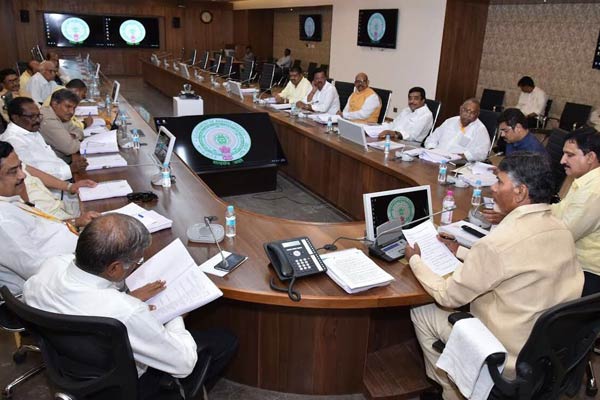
(142, 197)
(358, 81)
(33, 116)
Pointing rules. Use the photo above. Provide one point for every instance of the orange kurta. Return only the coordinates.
(356, 101)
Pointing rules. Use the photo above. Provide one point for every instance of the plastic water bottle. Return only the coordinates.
(230, 222)
(329, 124)
(476, 199)
(108, 104)
(293, 110)
(136, 138)
(447, 204)
(165, 172)
(386, 146)
(443, 172)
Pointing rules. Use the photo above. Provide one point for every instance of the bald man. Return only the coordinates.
(42, 84)
(364, 104)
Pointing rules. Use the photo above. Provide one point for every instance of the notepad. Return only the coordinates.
(433, 252)
(354, 272)
(84, 111)
(187, 287)
(152, 220)
(105, 142)
(105, 161)
(105, 190)
(284, 106)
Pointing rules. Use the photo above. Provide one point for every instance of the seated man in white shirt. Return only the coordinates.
(107, 251)
(22, 133)
(42, 83)
(28, 236)
(296, 89)
(414, 122)
(286, 60)
(464, 135)
(363, 106)
(532, 100)
(323, 98)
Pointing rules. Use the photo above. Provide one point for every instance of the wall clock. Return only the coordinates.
(206, 16)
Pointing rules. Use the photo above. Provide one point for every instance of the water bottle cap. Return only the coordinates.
(449, 193)
(230, 208)
(443, 162)
(478, 182)
(165, 165)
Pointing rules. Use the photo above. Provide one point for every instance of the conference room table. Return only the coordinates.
(330, 342)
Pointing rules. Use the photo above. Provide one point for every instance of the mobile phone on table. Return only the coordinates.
(233, 261)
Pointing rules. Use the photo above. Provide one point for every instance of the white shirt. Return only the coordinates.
(414, 125)
(26, 241)
(33, 150)
(474, 142)
(325, 100)
(285, 62)
(534, 102)
(40, 88)
(62, 287)
(370, 104)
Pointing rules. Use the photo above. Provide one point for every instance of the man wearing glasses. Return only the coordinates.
(464, 135)
(42, 84)
(364, 104)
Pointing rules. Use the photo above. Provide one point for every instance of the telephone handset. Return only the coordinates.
(291, 259)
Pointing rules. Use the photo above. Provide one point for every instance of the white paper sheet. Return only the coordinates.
(105, 190)
(105, 161)
(381, 145)
(433, 252)
(208, 266)
(152, 220)
(84, 111)
(373, 130)
(354, 272)
(105, 142)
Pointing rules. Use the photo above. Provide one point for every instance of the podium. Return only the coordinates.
(183, 107)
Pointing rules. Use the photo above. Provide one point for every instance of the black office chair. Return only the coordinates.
(552, 362)
(91, 358)
(246, 74)
(312, 66)
(227, 69)
(385, 96)
(554, 147)
(204, 60)
(265, 81)
(435, 107)
(297, 63)
(325, 67)
(490, 120)
(21, 67)
(492, 100)
(574, 116)
(344, 90)
(10, 323)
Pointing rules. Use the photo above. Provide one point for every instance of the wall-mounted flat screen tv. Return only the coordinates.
(310, 27)
(78, 30)
(377, 28)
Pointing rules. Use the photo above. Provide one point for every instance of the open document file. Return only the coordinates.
(105, 142)
(152, 220)
(187, 287)
(105, 190)
(433, 252)
(354, 272)
(105, 161)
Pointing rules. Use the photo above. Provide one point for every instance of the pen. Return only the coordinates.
(140, 215)
(85, 152)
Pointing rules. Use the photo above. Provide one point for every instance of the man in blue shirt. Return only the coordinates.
(512, 125)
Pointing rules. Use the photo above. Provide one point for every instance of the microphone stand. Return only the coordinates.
(207, 220)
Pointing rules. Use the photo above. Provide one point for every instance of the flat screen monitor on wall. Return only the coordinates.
(310, 27)
(78, 30)
(377, 28)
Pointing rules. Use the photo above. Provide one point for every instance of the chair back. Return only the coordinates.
(325, 67)
(344, 90)
(246, 74)
(492, 100)
(552, 361)
(204, 60)
(574, 116)
(385, 96)
(21, 67)
(435, 107)
(312, 66)
(227, 67)
(266, 77)
(554, 147)
(87, 357)
(297, 63)
(490, 120)
(548, 107)
(8, 320)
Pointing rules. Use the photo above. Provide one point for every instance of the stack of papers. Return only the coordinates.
(93, 130)
(323, 118)
(249, 90)
(486, 179)
(354, 272)
(105, 161)
(284, 106)
(480, 168)
(105, 142)
(381, 145)
(84, 111)
(187, 287)
(437, 156)
(433, 252)
(373, 130)
(463, 237)
(152, 220)
(105, 190)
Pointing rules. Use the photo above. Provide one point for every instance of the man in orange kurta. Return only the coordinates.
(364, 104)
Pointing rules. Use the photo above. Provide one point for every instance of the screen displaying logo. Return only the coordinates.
(401, 208)
(221, 140)
(376, 27)
(132, 32)
(309, 27)
(75, 30)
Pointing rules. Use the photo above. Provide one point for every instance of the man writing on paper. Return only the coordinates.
(296, 89)
(78, 87)
(28, 236)
(414, 122)
(507, 275)
(42, 83)
(464, 135)
(512, 126)
(108, 250)
(22, 133)
(364, 104)
(56, 127)
(323, 98)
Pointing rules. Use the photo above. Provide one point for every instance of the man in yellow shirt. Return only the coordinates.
(33, 66)
(364, 104)
(296, 89)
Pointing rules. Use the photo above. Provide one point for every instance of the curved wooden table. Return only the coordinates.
(329, 342)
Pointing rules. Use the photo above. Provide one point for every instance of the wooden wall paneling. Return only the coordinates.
(240, 27)
(260, 32)
(8, 20)
(213, 36)
(462, 45)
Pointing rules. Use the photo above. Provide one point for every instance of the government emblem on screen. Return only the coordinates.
(132, 32)
(221, 140)
(376, 27)
(75, 30)
(401, 209)
(309, 27)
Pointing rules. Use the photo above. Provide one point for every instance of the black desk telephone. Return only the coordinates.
(291, 259)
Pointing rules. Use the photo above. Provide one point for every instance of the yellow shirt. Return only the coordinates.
(580, 211)
(23, 79)
(293, 93)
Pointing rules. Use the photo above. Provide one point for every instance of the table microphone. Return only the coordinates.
(207, 221)
(265, 91)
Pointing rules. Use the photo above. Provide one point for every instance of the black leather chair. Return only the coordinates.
(385, 96)
(10, 323)
(574, 116)
(246, 73)
(297, 63)
(310, 72)
(325, 67)
(490, 120)
(227, 70)
(91, 358)
(344, 90)
(554, 147)
(492, 100)
(435, 107)
(266, 77)
(554, 358)
(204, 60)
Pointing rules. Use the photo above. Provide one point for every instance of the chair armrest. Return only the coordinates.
(457, 316)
